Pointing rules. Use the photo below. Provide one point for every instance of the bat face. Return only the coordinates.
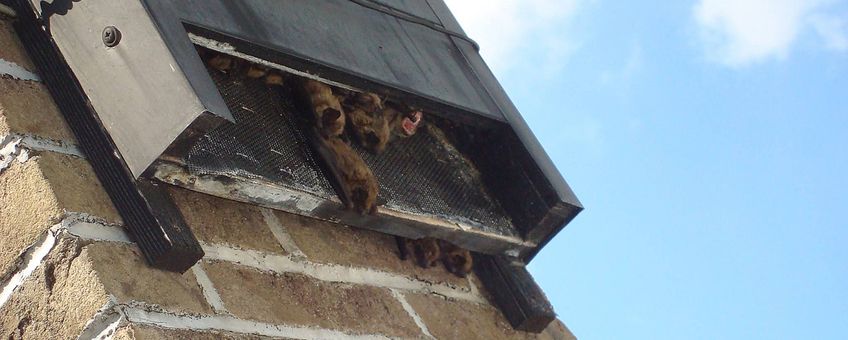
(459, 264)
(403, 121)
(457, 260)
(256, 72)
(409, 123)
(221, 62)
(329, 117)
(427, 252)
(368, 101)
(367, 123)
(274, 78)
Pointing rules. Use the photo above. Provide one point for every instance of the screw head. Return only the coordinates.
(111, 36)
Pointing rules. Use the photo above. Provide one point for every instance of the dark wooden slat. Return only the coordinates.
(182, 249)
(516, 293)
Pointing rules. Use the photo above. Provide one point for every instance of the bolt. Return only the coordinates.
(111, 36)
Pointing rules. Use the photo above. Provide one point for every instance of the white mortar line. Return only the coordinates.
(104, 324)
(109, 332)
(411, 311)
(208, 289)
(89, 227)
(10, 151)
(16, 145)
(16, 71)
(281, 234)
(95, 231)
(332, 272)
(37, 143)
(33, 258)
(232, 324)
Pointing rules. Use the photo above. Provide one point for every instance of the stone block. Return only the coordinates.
(450, 319)
(27, 108)
(11, 48)
(297, 300)
(125, 274)
(217, 220)
(36, 194)
(76, 187)
(58, 299)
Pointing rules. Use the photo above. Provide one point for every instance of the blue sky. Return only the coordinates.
(707, 141)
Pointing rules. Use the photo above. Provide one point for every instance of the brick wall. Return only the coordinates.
(68, 269)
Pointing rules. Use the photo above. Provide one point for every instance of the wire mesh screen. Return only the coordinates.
(266, 143)
(421, 175)
(424, 174)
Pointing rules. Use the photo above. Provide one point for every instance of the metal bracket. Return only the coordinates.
(154, 222)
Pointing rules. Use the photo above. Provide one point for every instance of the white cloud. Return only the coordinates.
(834, 32)
(504, 28)
(742, 32)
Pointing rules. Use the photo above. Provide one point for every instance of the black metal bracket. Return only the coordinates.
(516, 293)
(152, 218)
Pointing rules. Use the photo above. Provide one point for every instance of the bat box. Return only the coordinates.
(146, 110)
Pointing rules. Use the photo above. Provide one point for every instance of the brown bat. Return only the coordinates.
(329, 117)
(375, 123)
(270, 76)
(234, 66)
(274, 78)
(457, 260)
(221, 62)
(255, 71)
(358, 185)
(367, 124)
(403, 120)
(426, 250)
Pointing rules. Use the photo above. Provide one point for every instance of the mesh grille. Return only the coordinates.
(421, 175)
(267, 142)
